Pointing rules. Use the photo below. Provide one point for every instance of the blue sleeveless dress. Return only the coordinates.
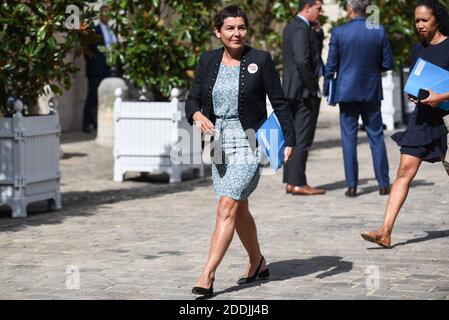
(426, 135)
(235, 167)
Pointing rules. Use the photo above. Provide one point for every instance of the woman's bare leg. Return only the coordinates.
(221, 239)
(247, 232)
(446, 165)
(408, 167)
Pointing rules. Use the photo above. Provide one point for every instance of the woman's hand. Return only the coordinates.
(433, 100)
(203, 123)
(288, 154)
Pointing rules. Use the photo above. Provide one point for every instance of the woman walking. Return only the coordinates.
(228, 98)
(426, 136)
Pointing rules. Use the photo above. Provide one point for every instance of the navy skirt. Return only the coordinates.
(426, 135)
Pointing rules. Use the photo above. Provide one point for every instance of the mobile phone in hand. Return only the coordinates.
(423, 94)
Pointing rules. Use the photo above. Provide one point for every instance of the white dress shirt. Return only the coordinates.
(304, 19)
(108, 36)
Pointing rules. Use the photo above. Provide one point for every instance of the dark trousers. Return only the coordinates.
(305, 114)
(372, 120)
(91, 104)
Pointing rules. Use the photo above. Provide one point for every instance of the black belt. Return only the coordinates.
(227, 118)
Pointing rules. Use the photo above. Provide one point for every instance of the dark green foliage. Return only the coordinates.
(397, 17)
(34, 42)
(160, 41)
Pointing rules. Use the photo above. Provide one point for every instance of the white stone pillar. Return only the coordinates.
(106, 97)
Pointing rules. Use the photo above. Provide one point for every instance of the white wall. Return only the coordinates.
(71, 103)
(334, 12)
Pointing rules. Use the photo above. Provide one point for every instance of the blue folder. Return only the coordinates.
(426, 75)
(271, 139)
(331, 92)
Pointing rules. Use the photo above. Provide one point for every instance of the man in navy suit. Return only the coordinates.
(97, 69)
(358, 52)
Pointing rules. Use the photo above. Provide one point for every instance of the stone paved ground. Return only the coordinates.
(146, 239)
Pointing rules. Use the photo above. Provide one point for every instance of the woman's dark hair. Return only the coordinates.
(440, 13)
(229, 12)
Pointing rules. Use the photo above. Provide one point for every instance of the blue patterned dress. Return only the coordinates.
(235, 171)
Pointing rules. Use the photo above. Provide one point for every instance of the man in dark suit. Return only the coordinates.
(358, 52)
(302, 70)
(96, 69)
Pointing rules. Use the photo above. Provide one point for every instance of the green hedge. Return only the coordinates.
(34, 42)
(397, 17)
(160, 41)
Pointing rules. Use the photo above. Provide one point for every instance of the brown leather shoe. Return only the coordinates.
(289, 188)
(351, 192)
(307, 191)
(384, 191)
(378, 238)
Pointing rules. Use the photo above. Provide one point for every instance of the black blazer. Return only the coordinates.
(253, 88)
(302, 60)
(96, 65)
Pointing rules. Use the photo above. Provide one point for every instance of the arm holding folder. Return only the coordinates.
(432, 78)
(436, 99)
(277, 133)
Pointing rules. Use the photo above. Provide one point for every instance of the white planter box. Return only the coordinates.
(146, 137)
(29, 161)
(391, 105)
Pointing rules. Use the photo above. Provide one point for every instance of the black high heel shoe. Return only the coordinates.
(206, 292)
(261, 275)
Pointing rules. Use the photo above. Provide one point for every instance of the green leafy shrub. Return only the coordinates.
(397, 17)
(267, 21)
(160, 41)
(34, 42)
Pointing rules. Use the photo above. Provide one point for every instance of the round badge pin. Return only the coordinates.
(252, 68)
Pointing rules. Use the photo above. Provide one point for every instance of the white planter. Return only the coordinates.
(29, 161)
(409, 106)
(146, 138)
(106, 97)
(391, 105)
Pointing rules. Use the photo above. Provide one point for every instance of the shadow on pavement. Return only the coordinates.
(416, 183)
(283, 270)
(335, 143)
(341, 184)
(68, 155)
(76, 136)
(431, 235)
(85, 203)
(363, 191)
